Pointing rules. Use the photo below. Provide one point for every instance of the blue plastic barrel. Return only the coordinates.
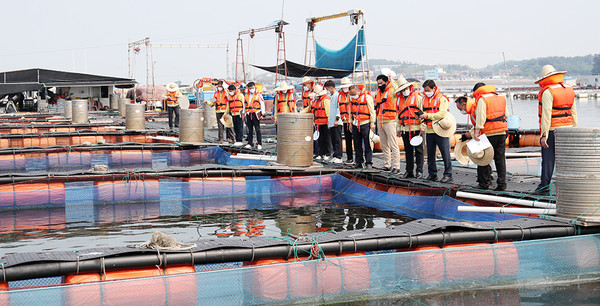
(513, 122)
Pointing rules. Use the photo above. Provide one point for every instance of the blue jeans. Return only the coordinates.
(443, 143)
(548, 159)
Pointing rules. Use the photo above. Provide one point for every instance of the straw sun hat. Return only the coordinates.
(345, 83)
(481, 158)
(547, 71)
(171, 87)
(446, 126)
(461, 153)
(227, 121)
(318, 90)
(283, 86)
(306, 80)
(402, 84)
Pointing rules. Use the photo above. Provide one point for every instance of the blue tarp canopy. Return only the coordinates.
(342, 59)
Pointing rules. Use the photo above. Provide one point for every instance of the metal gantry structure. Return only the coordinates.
(281, 53)
(136, 48)
(361, 68)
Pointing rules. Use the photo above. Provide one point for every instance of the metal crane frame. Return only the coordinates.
(356, 16)
(281, 53)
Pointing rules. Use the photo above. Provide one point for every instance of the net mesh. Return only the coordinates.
(398, 276)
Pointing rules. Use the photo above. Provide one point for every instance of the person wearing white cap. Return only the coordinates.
(387, 114)
(235, 108)
(254, 108)
(435, 108)
(410, 103)
(363, 119)
(319, 107)
(171, 97)
(284, 100)
(334, 122)
(307, 88)
(556, 109)
(344, 108)
(488, 113)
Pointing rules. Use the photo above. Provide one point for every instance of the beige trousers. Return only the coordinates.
(389, 144)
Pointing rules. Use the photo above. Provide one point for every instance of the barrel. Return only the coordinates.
(68, 109)
(80, 111)
(114, 101)
(295, 139)
(135, 117)
(577, 172)
(210, 116)
(42, 105)
(191, 125)
(122, 109)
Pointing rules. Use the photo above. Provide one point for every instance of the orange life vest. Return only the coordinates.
(318, 110)
(407, 108)
(432, 105)
(360, 108)
(172, 99)
(344, 105)
(384, 104)
(563, 97)
(495, 105)
(235, 102)
(220, 100)
(306, 100)
(252, 103)
(282, 99)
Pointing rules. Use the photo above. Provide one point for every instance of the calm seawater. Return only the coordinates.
(588, 111)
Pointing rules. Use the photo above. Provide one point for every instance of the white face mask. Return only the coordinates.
(253, 90)
(220, 88)
(354, 96)
(429, 94)
(345, 89)
(406, 92)
(464, 112)
(306, 88)
(231, 93)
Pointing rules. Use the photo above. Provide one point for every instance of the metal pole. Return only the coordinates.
(512, 110)
(153, 80)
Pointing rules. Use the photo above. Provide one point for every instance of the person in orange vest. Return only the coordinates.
(556, 109)
(386, 110)
(284, 101)
(307, 88)
(435, 107)
(320, 109)
(235, 107)
(489, 113)
(363, 117)
(254, 108)
(410, 104)
(334, 122)
(171, 98)
(219, 102)
(344, 109)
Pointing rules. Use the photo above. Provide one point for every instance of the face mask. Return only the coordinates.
(220, 88)
(382, 87)
(231, 93)
(464, 112)
(345, 90)
(429, 94)
(354, 96)
(306, 88)
(406, 92)
(252, 90)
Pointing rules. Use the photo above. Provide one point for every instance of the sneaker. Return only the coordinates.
(259, 147)
(318, 157)
(481, 187)
(395, 171)
(386, 169)
(418, 175)
(358, 166)
(337, 161)
(326, 157)
(541, 192)
(350, 161)
(446, 179)
(500, 188)
(237, 144)
(432, 178)
(408, 175)
(248, 146)
(368, 166)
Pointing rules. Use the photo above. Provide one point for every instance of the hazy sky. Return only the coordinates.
(92, 36)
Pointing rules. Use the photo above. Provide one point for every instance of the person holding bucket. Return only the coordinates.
(410, 106)
(488, 115)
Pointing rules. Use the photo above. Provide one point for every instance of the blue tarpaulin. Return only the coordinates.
(342, 59)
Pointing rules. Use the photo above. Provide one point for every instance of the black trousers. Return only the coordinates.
(336, 140)
(413, 154)
(348, 139)
(443, 143)
(548, 160)
(173, 110)
(220, 125)
(324, 140)
(361, 141)
(238, 127)
(253, 124)
(484, 173)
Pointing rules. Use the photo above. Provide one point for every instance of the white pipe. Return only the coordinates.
(508, 210)
(505, 200)
(254, 157)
